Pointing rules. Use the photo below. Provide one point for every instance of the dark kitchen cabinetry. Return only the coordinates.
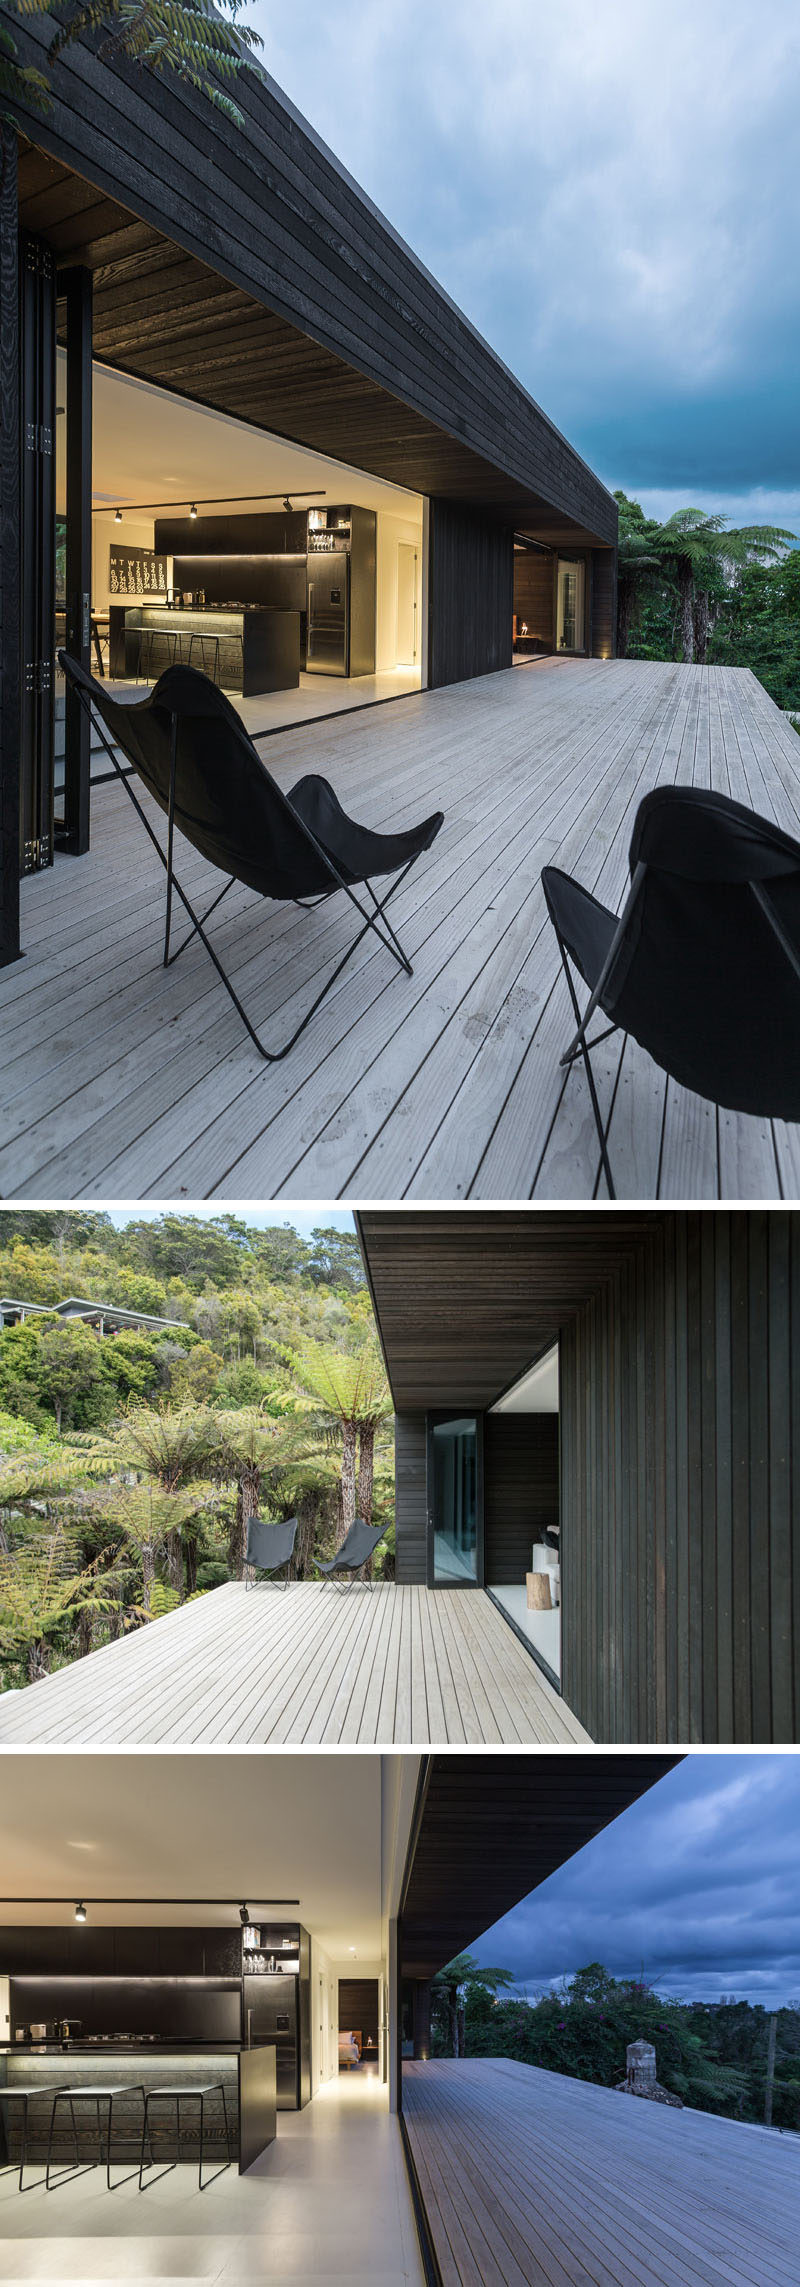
(276, 2006)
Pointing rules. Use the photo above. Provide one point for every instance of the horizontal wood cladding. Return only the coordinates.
(604, 603)
(520, 1466)
(466, 1302)
(268, 216)
(493, 1826)
(534, 595)
(411, 1498)
(680, 1396)
(470, 594)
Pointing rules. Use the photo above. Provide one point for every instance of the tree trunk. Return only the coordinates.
(452, 2012)
(190, 1565)
(348, 1479)
(366, 1470)
(686, 594)
(84, 1634)
(247, 1497)
(174, 1557)
(148, 1574)
(702, 628)
(57, 1412)
(37, 1661)
(462, 2030)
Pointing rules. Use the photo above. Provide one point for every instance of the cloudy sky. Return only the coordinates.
(699, 1882)
(612, 194)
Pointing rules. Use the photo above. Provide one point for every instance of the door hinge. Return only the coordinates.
(38, 437)
(37, 854)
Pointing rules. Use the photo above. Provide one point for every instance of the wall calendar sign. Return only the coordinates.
(136, 572)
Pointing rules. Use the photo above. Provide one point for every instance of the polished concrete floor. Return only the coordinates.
(315, 696)
(328, 2201)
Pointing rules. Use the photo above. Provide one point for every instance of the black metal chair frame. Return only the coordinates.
(350, 1572)
(580, 1045)
(97, 2097)
(22, 2096)
(174, 2096)
(253, 1569)
(377, 921)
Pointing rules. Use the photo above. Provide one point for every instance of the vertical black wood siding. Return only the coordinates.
(604, 603)
(470, 594)
(520, 1458)
(680, 1428)
(9, 551)
(411, 1497)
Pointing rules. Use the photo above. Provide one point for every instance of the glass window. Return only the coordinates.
(454, 1500)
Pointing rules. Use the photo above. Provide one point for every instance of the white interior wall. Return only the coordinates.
(391, 531)
(324, 2018)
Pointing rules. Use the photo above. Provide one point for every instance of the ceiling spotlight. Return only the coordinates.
(288, 505)
(193, 510)
(80, 1913)
(244, 1916)
(118, 516)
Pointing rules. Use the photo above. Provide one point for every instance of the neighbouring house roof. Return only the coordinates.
(74, 1306)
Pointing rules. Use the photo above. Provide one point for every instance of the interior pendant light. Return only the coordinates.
(80, 1912)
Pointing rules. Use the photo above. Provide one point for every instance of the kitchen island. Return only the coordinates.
(248, 651)
(248, 2077)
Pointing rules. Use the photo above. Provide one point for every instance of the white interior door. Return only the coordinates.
(407, 605)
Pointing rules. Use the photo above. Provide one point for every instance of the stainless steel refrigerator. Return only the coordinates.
(277, 2009)
(341, 592)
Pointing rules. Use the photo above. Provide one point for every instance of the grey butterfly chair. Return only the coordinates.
(268, 1548)
(356, 1549)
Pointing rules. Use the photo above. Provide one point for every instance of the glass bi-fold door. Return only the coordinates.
(455, 1500)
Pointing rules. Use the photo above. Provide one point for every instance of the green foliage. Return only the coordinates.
(695, 588)
(169, 1441)
(189, 38)
(712, 2055)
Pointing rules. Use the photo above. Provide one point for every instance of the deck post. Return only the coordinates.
(9, 550)
(76, 284)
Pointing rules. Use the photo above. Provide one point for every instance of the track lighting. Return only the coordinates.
(288, 505)
(118, 516)
(80, 1913)
(193, 510)
(244, 1916)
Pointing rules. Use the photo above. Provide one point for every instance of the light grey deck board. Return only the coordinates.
(309, 1665)
(528, 2176)
(121, 1081)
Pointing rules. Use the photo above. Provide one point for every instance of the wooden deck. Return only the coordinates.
(122, 1082)
(528, 2177)
(308, 1665)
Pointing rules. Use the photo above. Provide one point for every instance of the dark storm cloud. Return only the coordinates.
(698, 1883)
(613, 196)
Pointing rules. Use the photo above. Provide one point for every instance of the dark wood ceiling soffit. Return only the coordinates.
(494, 1826)
(166, 317)
(466, 1302)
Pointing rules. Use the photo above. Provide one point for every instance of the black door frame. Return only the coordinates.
(442, 1414)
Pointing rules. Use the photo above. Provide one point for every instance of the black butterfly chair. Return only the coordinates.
(703, 964)
(193, 754)
(357, 1547)
(268, 1547)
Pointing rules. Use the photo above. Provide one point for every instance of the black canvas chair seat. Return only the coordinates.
(357, 1547)
(269, 1547)
(702, 967)
(191, 751)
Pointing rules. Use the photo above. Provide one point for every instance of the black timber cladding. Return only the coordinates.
(494, 1826)
(470, 594)
(680, 1396)
(352, 314)
(411, 1498)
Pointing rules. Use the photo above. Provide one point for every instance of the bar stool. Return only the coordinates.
(213, 640)
(96, 2094)
(174, 2096)
(148, 637)
(22, 2096)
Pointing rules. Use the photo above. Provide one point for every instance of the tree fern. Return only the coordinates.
(203, 42)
